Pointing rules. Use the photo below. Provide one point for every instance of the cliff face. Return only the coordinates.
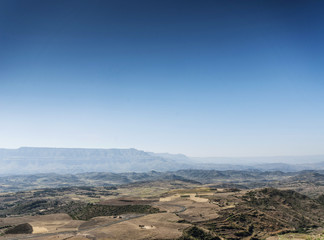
(69, 160)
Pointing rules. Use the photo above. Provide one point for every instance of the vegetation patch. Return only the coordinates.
(195, 233)
(80, 211)
(268, 211)
(24, 228)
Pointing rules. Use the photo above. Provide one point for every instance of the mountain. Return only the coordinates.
(31, 160)
(174, 157)
(292, 160)
(27, 160)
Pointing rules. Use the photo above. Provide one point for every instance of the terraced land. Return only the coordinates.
(163, 210)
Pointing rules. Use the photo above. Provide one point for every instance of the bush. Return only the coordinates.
(20, 229)
(198, 234)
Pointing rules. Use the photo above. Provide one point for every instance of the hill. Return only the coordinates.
(268, 212)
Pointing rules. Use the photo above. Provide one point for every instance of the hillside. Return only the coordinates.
(268, 212)
(308, 182)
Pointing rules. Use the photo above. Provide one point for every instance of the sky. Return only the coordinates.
(202, 78)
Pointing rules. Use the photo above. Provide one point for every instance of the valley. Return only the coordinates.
(186, 204)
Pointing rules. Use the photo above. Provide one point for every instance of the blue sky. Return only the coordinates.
(203, 78)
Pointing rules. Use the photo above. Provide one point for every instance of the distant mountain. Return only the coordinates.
(174, 157)
(283, 163)
(31, 160)
(251, 161)
(27, 160)
(289, 167)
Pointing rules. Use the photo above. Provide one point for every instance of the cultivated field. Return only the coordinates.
(172, 209)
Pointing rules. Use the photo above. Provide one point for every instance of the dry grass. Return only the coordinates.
(161, 226)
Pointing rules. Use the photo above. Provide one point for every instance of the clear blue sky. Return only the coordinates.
(203, 78)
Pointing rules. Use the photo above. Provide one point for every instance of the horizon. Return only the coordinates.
(211, 78)
(171, 153)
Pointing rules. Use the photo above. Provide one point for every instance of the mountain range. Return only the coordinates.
(31, 160)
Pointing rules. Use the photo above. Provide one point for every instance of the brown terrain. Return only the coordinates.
(165, 210)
